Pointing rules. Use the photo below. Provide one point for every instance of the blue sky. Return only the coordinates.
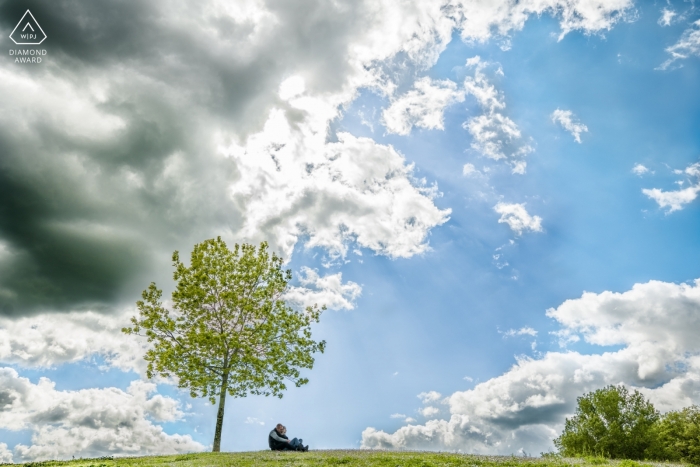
(472, 333)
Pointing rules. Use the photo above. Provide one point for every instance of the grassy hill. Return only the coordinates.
(349, 458)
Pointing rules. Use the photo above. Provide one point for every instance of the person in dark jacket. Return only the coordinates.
(278, 441)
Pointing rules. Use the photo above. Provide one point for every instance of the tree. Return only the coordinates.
(611, 422)
(679, 435)
(230, 330)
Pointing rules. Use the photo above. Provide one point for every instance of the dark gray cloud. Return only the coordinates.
(73, 231)
(6, 400)
(113, 151)
(547, 414)
(110, 150)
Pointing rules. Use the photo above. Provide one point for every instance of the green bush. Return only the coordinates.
(678, 435)
(610, 422)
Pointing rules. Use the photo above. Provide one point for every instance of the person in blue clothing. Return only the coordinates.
(278, 441)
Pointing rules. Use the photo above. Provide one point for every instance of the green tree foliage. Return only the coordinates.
(678, 435)
(230, 330)
(611, 422)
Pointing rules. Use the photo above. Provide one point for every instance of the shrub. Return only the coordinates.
(678, 435)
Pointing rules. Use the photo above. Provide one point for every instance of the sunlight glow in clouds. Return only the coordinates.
(292, 87)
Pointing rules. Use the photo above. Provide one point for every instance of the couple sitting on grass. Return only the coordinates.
(278, 440)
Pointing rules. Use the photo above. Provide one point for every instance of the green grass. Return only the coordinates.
(350, 458)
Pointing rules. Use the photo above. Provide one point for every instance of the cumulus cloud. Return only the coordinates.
(677, 199)
(88, 422)
(328, 290)
(568, 120)
(494, 134)
(429, 411)
(351, 190)
(132, 137)
(687, 46)
(517, 218)
(49, 339)
(424, 106)
(656, 323)
(292, 87)
(5, 454)
(397, 415)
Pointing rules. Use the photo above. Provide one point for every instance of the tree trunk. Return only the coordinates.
(220, 414)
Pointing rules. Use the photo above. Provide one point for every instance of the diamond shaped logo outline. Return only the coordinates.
(37, 25)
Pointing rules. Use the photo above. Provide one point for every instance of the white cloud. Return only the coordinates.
(639, 170)
(292, 87)
(693, 170)
(666, 17)
(688, 45)
(88, 422)
(656, 323)
(410, 420)
(328, 290)
(526, 331)
(494, 134)
(353, 190)
(51, 339)
(5, 454)
(428, 397)
(567, 119)
(676, 200)
(480, 20)
(517, 218)
(397, 415)
(424, 106)
(673, 200)
(428, 412)
(518, 167)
